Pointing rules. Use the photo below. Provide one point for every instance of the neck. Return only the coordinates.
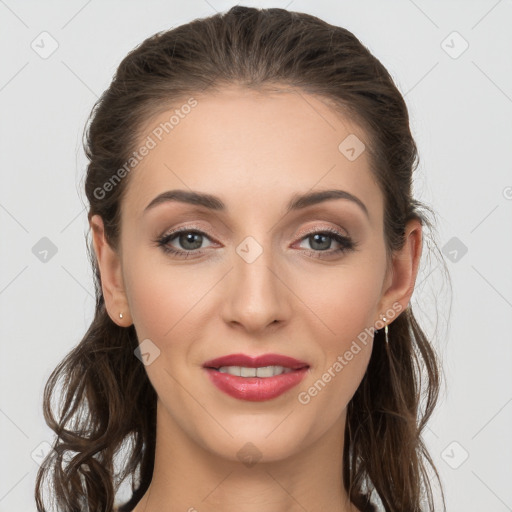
(191, 478)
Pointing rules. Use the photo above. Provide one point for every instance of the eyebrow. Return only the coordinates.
(211, 202)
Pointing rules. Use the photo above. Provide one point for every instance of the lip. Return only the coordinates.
(255, 389)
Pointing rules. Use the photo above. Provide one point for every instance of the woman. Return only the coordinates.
(255, 244)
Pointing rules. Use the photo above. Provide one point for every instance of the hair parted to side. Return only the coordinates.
(107, 399)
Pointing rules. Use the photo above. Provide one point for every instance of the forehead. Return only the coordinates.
(251, 147)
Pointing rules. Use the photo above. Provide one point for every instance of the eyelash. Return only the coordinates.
(346, 243)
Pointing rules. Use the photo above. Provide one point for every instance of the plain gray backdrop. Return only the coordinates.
(451, 60)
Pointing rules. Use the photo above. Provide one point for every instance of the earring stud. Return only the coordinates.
(120, 315)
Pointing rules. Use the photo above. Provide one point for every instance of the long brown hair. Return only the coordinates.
(107, 402)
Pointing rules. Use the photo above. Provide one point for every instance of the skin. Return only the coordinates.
(254, 151)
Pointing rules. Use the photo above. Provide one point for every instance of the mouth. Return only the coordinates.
(255, 379)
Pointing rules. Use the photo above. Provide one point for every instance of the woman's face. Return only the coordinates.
(251, 277)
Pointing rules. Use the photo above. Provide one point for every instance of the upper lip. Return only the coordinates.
(255, 362)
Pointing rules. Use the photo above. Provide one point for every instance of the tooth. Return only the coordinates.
(262, 371)
(247, 372)
(278, 370)
(266, 371)
(232, 370)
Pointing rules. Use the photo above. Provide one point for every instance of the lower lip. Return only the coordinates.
(256, 389)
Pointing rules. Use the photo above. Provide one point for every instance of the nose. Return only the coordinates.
(257, 296)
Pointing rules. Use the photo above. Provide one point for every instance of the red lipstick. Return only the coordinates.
(255, 388)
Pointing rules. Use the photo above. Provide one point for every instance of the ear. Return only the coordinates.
(401, 277)
(111, 275)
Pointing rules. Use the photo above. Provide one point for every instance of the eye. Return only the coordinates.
(190, 241)
(321, 241)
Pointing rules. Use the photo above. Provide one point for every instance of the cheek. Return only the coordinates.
(153, 308)
(343, 300)
(344, 303)
(346, 310)
(162, 298)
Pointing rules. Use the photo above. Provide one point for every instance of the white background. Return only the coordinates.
(461, 116)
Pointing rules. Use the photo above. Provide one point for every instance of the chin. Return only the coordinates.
(261, 437)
